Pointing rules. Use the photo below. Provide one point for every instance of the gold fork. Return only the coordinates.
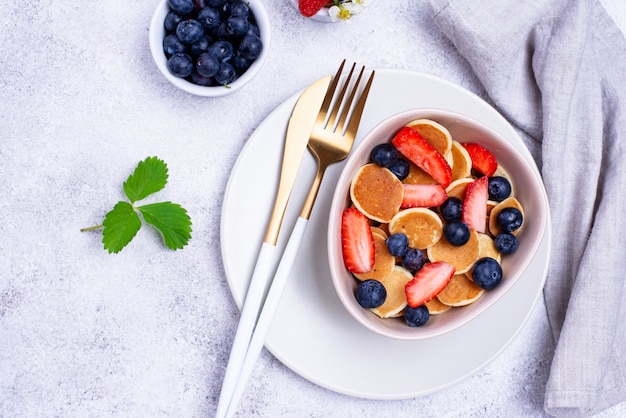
(330, 142)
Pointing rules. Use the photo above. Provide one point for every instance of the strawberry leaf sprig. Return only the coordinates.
(122, 223)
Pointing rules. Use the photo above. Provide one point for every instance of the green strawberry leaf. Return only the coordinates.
(171, 220)
(120, 226)
(149, 177)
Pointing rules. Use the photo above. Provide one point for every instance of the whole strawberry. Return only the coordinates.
(310, 7)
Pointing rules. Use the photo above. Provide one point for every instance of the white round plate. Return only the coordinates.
(312, 333)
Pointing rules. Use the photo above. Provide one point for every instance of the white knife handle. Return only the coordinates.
(269, 310)
(249, 312)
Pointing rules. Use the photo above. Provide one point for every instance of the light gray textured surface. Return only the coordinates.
(147, 332)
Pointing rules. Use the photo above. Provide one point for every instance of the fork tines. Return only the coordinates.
(339, 107)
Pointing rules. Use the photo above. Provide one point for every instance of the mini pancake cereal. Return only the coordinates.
(435, 134)
(418, 176)
(462, 257)
(460, 292)
(422, 226)
(457, 187)
(435, 306)
(376, 192)
(426, 247)
(462, 167)
(394, 284)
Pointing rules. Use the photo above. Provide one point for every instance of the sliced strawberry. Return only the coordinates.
(483, 160)
(411, 144)
(309, 7)
(428, 282)
(357, 241)
(423, 195)
(475, 204)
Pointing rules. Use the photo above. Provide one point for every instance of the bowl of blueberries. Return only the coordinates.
(434, 218)
(209, 48)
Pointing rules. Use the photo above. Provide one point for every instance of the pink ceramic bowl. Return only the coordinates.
(529, 190)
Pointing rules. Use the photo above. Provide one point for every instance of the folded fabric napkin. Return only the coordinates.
(556, 69)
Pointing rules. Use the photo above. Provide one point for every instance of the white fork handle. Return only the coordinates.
(267, 314)
(249, 312)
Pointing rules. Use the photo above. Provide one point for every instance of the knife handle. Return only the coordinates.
(269, 310)
(248, 318)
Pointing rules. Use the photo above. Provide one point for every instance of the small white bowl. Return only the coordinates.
(529, 190)
(157, 34)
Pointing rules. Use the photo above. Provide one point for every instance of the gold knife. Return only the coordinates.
(300, 125)
(299, 129)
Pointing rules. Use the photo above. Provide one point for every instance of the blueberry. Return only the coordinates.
(182, 7)
(254, 30)
(200, 47)
(371, 294)
(209, 17)
(499, 188)
(400, 168)
(510, 219)
(487, 273)
(223, 33)
(172, 45)
(189, 31)
(200, 80)
(225, 74)
(215, 3)
(413, 260)
(397, 244)
(457, 233)
(384, 154)
(237, 25)
(506, 243)
(240, 63)
(239, 8)
(452, 209)
(416, 317)
(250, 47)
(180, 65)
(199, 4)
(223, 50)
(207, 65)
(171, 21)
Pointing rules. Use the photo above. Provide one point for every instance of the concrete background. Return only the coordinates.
(147, 332)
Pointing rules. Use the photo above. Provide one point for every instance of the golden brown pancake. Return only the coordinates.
(422, 226)
(418, 176)
(488, 247)
(457, 187)
(460, 291)
(462, 162)
(435, 134)
(462, 257)
(435, 307)
(376, 192)
(396, 297)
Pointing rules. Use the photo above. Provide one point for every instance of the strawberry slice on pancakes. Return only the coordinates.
(423, 195)
(483, 160)
(428, 282)
(357, 242)
(414, 147)
(475, 204)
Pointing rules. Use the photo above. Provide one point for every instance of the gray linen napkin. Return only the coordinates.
(556, 69)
